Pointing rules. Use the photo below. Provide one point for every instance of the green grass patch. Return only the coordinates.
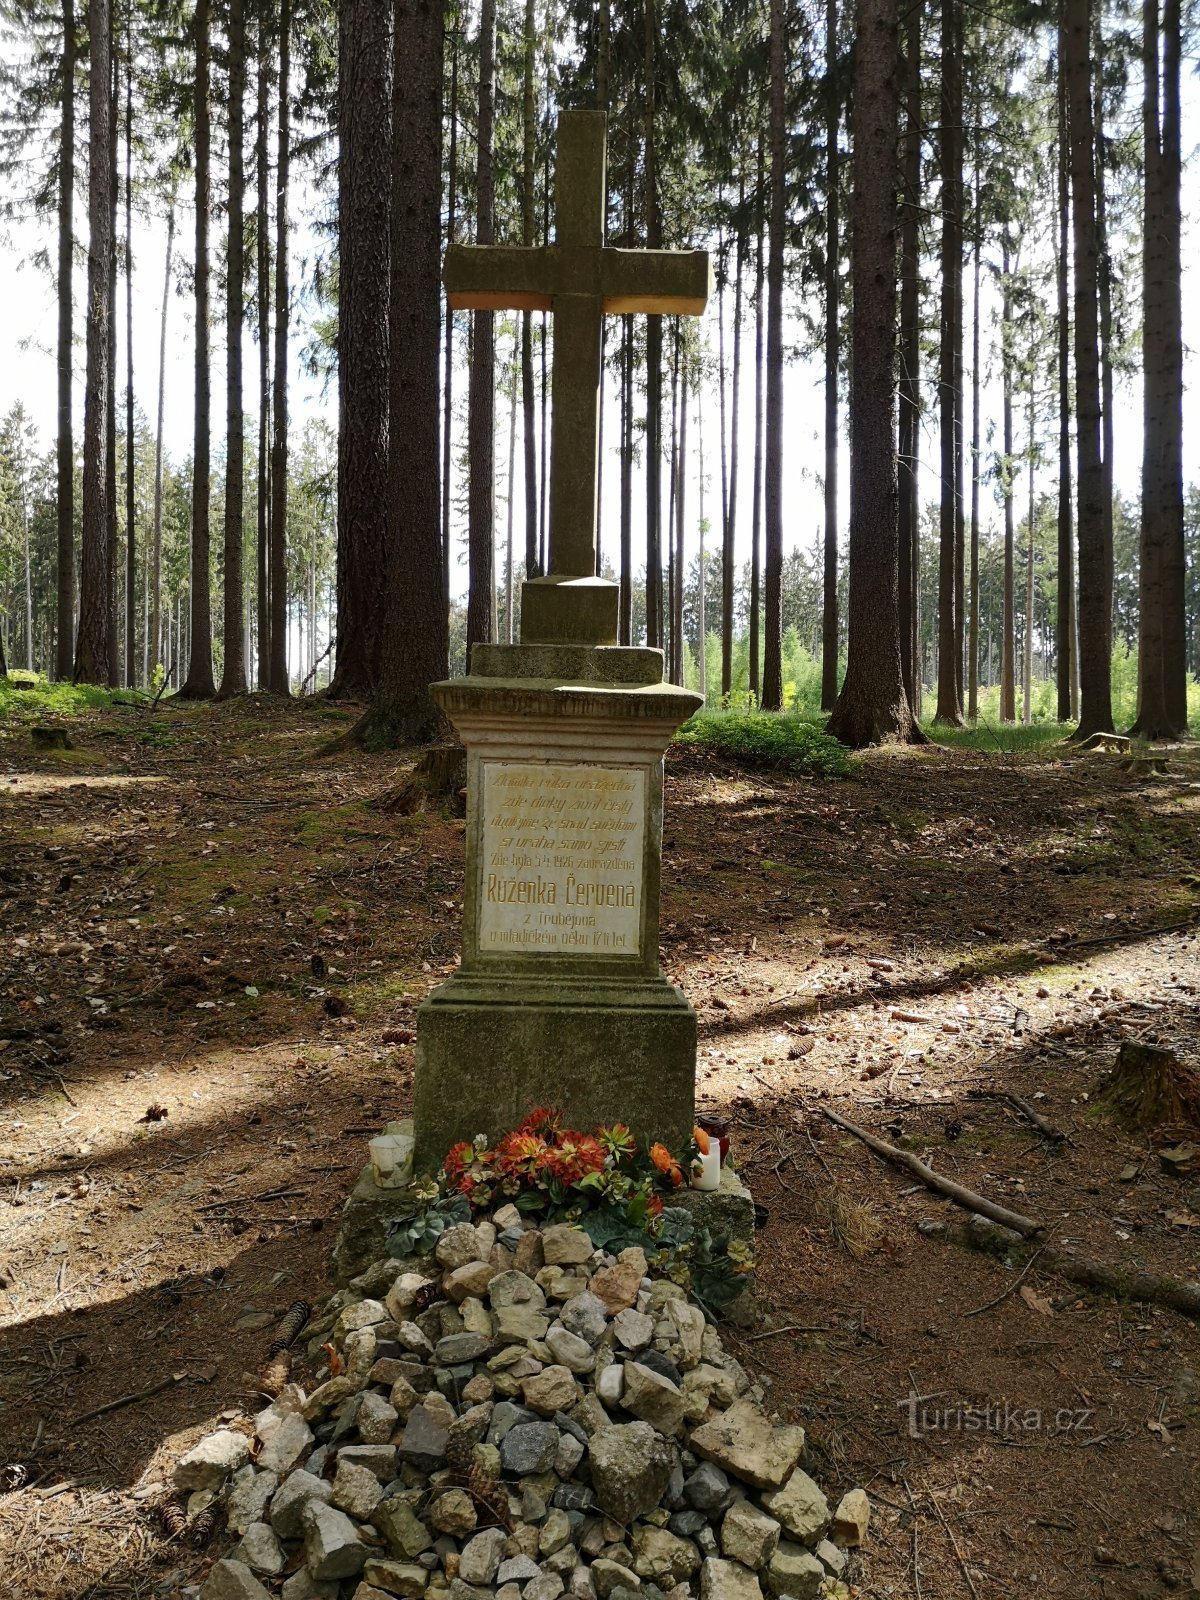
(774, 741)
(59, 699)
(1007, 738)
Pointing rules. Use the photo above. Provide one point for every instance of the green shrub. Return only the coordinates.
(778, 742)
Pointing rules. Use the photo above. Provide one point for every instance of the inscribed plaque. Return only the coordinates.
(561, 854)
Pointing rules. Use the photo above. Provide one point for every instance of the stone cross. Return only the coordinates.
(579, 278)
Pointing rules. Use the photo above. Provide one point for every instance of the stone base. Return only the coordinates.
(578, 611)
(362, 1236)
(727, 1210)
(489, 1050)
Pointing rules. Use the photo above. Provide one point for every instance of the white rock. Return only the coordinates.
(728, 1580)
(610, 1384)
(401, 1297)
(231, 1580)
(292, 1440)
(207, 1464)
(260, 1550)
(356, 1490)
(748, 1535)
(332, 1547)
(481, 1556)
(248, 1500)
(290, 1499)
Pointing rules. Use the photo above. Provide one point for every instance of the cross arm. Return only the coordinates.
(656, 281)
(484, 277)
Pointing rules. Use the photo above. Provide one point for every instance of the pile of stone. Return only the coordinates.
(522, 1416)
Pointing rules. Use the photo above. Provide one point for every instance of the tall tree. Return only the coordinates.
(772, 688)
(364, 222)
(909, 419)
(481, 416)
(1064, 620)
(528, 197)
(950, 529)
(873, 705)
(262, 289)
(1008, 659)
(130, 519)
(65, 504)
(829, 610)
(91, 650)
(1095, 569)
(154, 623)
(199, 682)
(448, 354)
(653, 208)
(233, 674)
(1162, 668)
(278, 682)
(757, 492)
(402, 710)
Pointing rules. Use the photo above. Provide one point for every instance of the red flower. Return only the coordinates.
(459, 1157)
(543, 1120)
(654, 1205)
(521, 1154)
(574, 1156)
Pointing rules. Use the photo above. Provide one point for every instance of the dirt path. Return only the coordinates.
(204, 917)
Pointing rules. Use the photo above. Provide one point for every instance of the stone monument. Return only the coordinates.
(559, 999)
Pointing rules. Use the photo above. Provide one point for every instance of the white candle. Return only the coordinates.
(706, 1169)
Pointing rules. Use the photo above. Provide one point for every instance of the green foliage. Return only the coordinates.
(418, 1233)
(778, 742)
(59, 699)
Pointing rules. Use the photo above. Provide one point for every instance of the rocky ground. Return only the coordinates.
(214, 947)
(556, 1422)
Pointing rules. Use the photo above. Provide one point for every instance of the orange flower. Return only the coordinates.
(574, 1156)
(701, 1138)
(665, 1162)
(521, 1154)
(542, 1120)
(459, 1157)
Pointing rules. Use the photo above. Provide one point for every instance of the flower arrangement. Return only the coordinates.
(616, 1186)
(542, 1166)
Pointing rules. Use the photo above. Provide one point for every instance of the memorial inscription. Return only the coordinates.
(561, 858)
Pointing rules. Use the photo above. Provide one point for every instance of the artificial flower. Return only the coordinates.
(664, 1162)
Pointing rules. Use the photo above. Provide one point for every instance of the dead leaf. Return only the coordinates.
(1035, 1301)
(1161, 1429)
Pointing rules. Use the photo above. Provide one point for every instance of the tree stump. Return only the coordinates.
(50, 739)
(1106, 741)
(1151, 1088)
(438, 782)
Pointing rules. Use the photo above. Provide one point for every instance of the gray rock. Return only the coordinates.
(529, 1448)
(568, 1455)
(563, 1562)
(727, 1580)
(748, 1535)
(356, 1490)
(459, 1348)
(610, 1385)
(546, 1586)
(424, 1440)
(800, 1506)
(687, 1524)
(833, 1559)
(473, 1424)
(302, 1586)
(207, 1464)
(363, 1314)
(414, 1339)
(506, 1416)
(403, 1529)
(706, 1542)
(795, 1571)
(332, 1547)
(743, 1441)
(248, 1500)
(467, 1591)
(231, 1580)
(453, 1512)
(659, 1554)
(513, 1289)
(290, 1443)
(555, 1532)
(574, 1497)
(290, 1499)
(566, 1424)
(630, 1466)
(376, 1419)
(260, 1550)
(481, 1556)
(633, 1330)
(565, 1246)
(517, 1569)
(585, 1316)
(608, 1576)
(379, 1458)
(653, 1398)
(517, 1324)
(457, 1246)
(395, 1577)
(658, 1362)
(553, 1389)
(580, 1583)
(569, 1349)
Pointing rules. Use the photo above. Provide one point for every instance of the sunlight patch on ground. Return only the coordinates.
(27, 783)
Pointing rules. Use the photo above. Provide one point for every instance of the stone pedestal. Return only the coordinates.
(559, 999)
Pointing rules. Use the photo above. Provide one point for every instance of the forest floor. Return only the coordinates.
(213, 948)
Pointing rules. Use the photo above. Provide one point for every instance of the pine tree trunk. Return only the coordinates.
(702, 598)
(680, 531)
(199, 682)
(1008, 659)
(625, 594)
(735, 409)
(512, 475)
(909, 421)
(529, 438)
(65, 503)
(1095, 565)
(415, 638)
(976, 440)
(1064, 618)
(726, 530)
(279, 681)
(91, 656)
(114, 647)
(130, 534)
(233, 674)
(873, 705)
(1027, 663)
(481, 421)
(757, 492)
(949, 685)
(448, 358)
(263, 292)
(1175, 633)
(364, 219)
(829, 610)
(772, 688)
(654, 583)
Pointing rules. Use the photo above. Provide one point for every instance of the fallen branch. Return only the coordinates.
(124, 1400)
(1043, 1126)
(1025, 1226)
(1115, 1281)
